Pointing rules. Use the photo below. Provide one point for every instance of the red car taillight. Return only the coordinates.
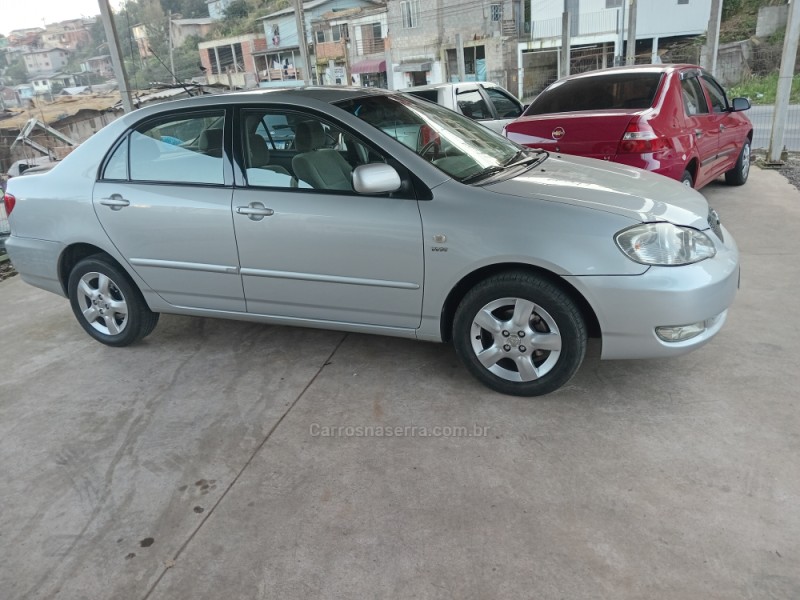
(10, 203)
(640, 138)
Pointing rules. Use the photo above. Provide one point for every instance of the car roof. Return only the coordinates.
(666, 68)
(439, 86)
(293, 95)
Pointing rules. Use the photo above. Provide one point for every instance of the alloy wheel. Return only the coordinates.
(102, 303)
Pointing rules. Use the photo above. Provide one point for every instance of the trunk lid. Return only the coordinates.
(595, 134)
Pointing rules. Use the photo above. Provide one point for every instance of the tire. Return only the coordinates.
(497, 346)
(687, 179)
(108, 306)
(739, 173)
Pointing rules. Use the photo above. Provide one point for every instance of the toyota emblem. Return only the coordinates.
(558, 133)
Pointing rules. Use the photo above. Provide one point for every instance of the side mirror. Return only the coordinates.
(375, 178)
(740, 104)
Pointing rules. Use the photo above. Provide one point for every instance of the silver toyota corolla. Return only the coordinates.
(362, 210)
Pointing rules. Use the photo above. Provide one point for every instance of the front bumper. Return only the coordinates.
(630, 308)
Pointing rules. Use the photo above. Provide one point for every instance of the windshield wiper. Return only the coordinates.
(541, 156)
(531, 161)
(484, 173)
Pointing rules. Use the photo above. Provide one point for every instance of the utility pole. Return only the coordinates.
(302, 39)
(565, 43)
(462, 70)
(116, 55)
(171, 59)
(712, 38)
(784, 83)
(630, 53)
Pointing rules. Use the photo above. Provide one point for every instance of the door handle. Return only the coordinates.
(255, 211)
(698, 133)
(115, 202)
(722, 127)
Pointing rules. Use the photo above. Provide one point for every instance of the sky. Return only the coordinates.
(18, 14)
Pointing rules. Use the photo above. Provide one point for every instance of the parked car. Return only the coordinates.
(433, 228)
(485, 102)
(675, 120)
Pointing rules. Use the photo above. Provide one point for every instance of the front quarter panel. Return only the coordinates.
(484, 228)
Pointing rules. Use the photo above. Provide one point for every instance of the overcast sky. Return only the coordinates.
(18, 14)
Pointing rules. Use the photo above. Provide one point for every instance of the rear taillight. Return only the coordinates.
(10, 203)
(640, 138)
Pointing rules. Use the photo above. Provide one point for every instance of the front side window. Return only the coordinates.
(290, 149)
(506, 107)
(179, 149)
(471, 104)
(719, 103)
(456, 145)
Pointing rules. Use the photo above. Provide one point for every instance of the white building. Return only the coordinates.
(600, 27)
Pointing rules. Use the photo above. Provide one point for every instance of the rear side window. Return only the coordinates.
(601, 92)
(694, 100)
(472, 105)
(177, 149)
(506, 107)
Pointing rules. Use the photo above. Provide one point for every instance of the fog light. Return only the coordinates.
(680, 333)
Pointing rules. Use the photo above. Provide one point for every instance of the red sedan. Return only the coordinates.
(670, 119)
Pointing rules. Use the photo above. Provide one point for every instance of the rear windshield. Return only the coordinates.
(600, 92)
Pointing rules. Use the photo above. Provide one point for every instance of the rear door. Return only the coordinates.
(165, 202)
(703, 127)
(471, 103)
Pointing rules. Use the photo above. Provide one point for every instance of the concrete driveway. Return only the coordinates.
(207, 462)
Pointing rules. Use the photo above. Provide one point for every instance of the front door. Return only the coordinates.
(312, 248)
(703, 126)
(168, 210)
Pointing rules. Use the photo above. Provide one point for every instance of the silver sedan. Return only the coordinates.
(367, 211)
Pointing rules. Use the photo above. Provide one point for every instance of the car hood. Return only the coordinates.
(600, 185)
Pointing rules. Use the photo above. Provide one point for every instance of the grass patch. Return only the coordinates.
(761, 89)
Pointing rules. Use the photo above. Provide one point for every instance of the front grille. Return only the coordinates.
(713, 222)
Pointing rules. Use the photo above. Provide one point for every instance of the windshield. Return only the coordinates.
(455, 144)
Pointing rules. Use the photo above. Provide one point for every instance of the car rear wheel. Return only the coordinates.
(738, 174)
(519, 334)
(687, 179)
(107, 304)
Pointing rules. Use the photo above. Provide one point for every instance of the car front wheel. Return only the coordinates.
(739, 173)
(520, 334)
(107, 305)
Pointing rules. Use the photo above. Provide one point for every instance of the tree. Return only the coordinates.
(238, 9)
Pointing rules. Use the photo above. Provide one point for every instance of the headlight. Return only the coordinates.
(664, 244)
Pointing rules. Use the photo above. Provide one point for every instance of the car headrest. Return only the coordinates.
(211, 141)
(259, 153)
(309, 136)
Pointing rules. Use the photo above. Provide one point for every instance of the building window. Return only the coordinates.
(496, 12)
(320, 36)
(613, 3)
(409, 10)
(339, 32)
(683, 1)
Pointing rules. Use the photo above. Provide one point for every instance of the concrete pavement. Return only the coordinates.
(223, 460)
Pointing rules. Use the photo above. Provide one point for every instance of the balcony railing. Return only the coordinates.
(370, 46)
(289, 73)
(604, 21)
(326, 51)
